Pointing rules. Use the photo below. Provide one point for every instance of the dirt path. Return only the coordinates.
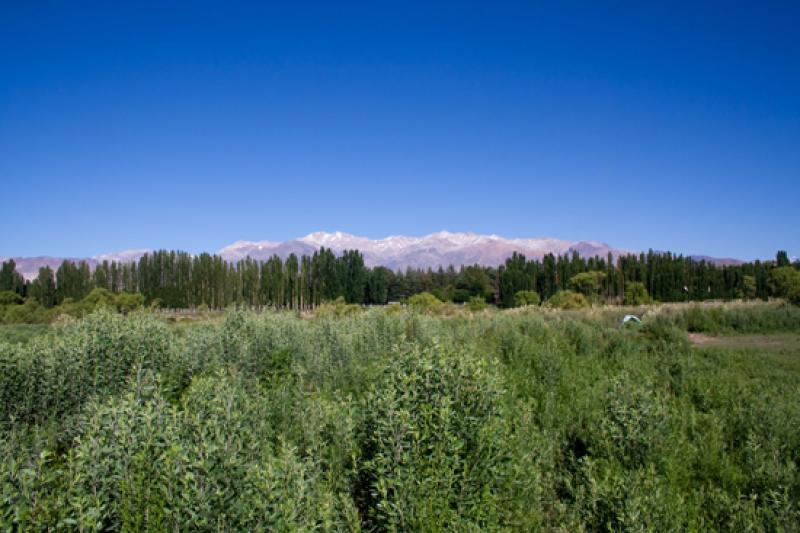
(775, 341)
(699, 339)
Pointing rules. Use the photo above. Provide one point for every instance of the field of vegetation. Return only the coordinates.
(416, 418)
(179, 281)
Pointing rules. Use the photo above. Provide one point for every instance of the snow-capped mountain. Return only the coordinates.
(399, 251)
(396, 252)
(29, 266)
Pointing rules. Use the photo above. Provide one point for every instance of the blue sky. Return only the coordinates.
(192, 125)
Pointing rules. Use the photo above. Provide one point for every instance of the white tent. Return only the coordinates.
(631, 318)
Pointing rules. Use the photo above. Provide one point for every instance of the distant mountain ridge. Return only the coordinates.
(29, 266)
(437, 249)
(396, 252)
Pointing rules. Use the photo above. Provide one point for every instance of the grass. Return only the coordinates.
(22, 333)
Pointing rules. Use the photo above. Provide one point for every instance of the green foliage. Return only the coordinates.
(10, 298)
(214, 462)
(43, 288)
(10, 279)
(178, 280)
(53, 376)
(394, 421)
(477, 303)
(434, 445)
(749, 287)
(97, 298)
(784, 281)
(733, 318)
(588, 283)
(337, 308)
(523, 298)
(21, 333)
(30, 312)
(567, 300)
(425, 302)
(794, 295)
(636, 294)
(126, 302)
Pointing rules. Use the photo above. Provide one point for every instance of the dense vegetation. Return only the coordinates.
(401, 419)
(179, 280)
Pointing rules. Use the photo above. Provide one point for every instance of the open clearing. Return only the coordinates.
(773, 342)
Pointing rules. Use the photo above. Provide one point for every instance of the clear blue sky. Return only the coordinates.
(198, 124)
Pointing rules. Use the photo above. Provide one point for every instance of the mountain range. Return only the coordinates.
(399, 251)
(395, 252)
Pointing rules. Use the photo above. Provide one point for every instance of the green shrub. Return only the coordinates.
(794, 296)
(126, 302)
(783, 281)
(523, 298)
(588, 283)
(476, 303)
(636, 294)
(425, 302)
(567, 300)
(53, 376)
(337, 308)
(212, 463)
(634, 419)
(663, 331)
(10, 298)
(98, 298)
(433, 444)
(30, 312)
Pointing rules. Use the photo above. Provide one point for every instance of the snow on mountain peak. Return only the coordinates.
(337, 239)
(125, 255)
(400, 251)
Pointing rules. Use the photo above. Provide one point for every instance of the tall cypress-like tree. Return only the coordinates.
(43, 288)
(10, 279)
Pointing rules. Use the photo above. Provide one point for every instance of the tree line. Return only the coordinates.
(176, 279)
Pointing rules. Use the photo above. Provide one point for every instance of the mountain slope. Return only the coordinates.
(29, 266)
(437, 249)
(396, 252)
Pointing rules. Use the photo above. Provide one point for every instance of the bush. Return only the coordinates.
(476, 303)
(636, 294)
(783, 281)
(588, 283)
(794, 296)
(634, 419)
(523, 298)
(50, 377)
(213, 461)
(98, 298)
(337, 308)
(126, 302)
(30, 312)
(425, 302)
(460, 296)
(567, 300)
(433, 444)
(10, 298)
